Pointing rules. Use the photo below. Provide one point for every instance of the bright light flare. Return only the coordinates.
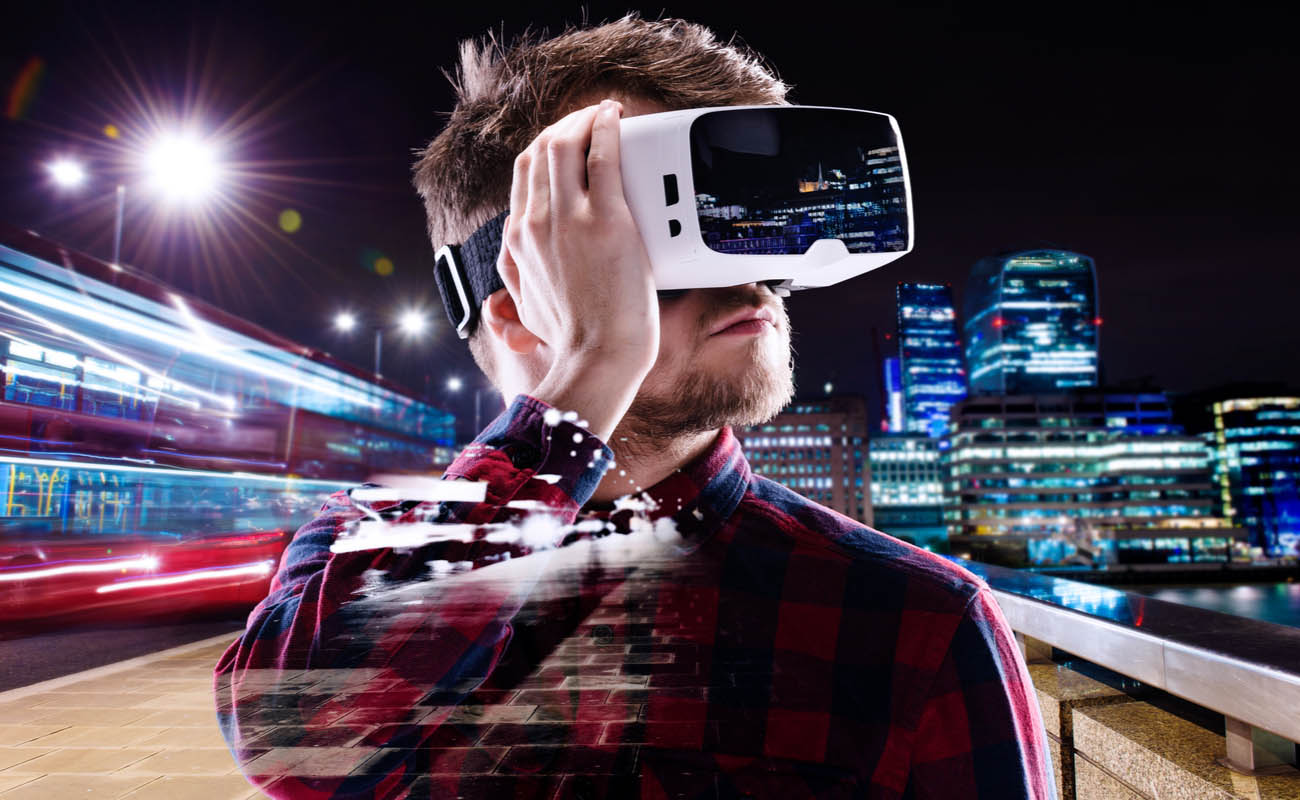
(454, 384)
(182, 168)
(66, 173)
(412, 323)
(345, 321)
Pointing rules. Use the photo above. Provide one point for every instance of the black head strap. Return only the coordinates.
(467, 273)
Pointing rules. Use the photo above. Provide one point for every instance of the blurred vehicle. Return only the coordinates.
(156, 452)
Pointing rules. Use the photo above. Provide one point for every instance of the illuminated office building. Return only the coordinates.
(1031, 323)
(1256, 445)
(930, 356)
(816, 449)
(907, 487)
(1073, 469)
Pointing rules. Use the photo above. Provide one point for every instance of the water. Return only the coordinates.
(1271, 602)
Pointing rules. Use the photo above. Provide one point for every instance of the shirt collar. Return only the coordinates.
(699, 496)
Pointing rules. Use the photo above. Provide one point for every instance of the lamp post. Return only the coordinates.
(454, 384)
(179, 167)
(411, 322)
(117, 224)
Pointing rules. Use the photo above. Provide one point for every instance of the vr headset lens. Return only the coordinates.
(773, 181)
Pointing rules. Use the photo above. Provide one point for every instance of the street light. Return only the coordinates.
(345, 321)
(180, 167)
(411, 322)
(66, 173)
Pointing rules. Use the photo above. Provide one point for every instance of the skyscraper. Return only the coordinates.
(1031, 323)
(930, 356)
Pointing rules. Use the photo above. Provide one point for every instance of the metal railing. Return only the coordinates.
(1246, 669)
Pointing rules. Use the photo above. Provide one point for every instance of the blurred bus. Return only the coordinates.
(156, 452)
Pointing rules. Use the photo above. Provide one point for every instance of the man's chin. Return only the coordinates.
(707, 400)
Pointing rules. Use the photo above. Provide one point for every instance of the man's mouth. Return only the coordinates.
(746, 322)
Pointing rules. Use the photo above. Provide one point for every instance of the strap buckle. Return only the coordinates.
(449, 273)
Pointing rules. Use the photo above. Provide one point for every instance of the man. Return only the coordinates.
(677, 627)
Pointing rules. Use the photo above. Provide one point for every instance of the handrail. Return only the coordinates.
(1245, 669)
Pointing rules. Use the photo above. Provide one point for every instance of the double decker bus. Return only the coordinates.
(157, 452)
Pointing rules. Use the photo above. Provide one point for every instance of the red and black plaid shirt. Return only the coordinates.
(727, 638)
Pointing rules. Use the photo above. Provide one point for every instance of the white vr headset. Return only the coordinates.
(793, 196)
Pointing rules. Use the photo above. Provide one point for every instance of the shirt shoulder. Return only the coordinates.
(892, 572)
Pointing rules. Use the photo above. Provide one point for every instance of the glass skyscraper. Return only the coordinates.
(930, 357)
(1032, 323)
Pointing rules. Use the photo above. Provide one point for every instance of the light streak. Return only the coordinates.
(181, 473)
(77, 568)
(259, 568)
(171, 338)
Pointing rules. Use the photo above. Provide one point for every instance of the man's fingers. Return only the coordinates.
(567, 151)
(604, 180)
(537, 214)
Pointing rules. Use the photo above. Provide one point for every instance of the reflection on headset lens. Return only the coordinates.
(773, 181)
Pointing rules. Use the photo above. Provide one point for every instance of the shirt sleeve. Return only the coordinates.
(981, 734)
(312, 623)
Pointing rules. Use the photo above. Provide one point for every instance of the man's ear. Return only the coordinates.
(501, 316)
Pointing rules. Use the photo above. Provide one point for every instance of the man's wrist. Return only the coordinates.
(599, 387)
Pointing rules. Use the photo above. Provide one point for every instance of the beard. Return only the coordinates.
(689, 397)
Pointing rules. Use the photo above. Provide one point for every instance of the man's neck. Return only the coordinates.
(640, 465)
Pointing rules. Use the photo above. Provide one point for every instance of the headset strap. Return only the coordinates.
(467, 273)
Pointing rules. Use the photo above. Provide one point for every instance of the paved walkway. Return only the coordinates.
(142, 729)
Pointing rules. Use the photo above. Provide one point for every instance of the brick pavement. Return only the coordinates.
(143, 729)
(561, 731)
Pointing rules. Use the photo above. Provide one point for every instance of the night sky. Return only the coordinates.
(1159, 142)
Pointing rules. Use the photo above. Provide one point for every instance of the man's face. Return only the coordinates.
(724, 359)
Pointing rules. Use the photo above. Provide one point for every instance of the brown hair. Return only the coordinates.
(505, 96)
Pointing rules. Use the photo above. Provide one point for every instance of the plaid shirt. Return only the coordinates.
(768, 647)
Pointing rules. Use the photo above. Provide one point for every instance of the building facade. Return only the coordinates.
(1032, 323)
(1074, 469)
(817, 448)
(930, 356)
(907, 487)
(1256, 444)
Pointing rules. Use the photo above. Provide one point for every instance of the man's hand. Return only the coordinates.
(577, 270)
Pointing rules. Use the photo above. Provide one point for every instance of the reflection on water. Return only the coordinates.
(1271, 602)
